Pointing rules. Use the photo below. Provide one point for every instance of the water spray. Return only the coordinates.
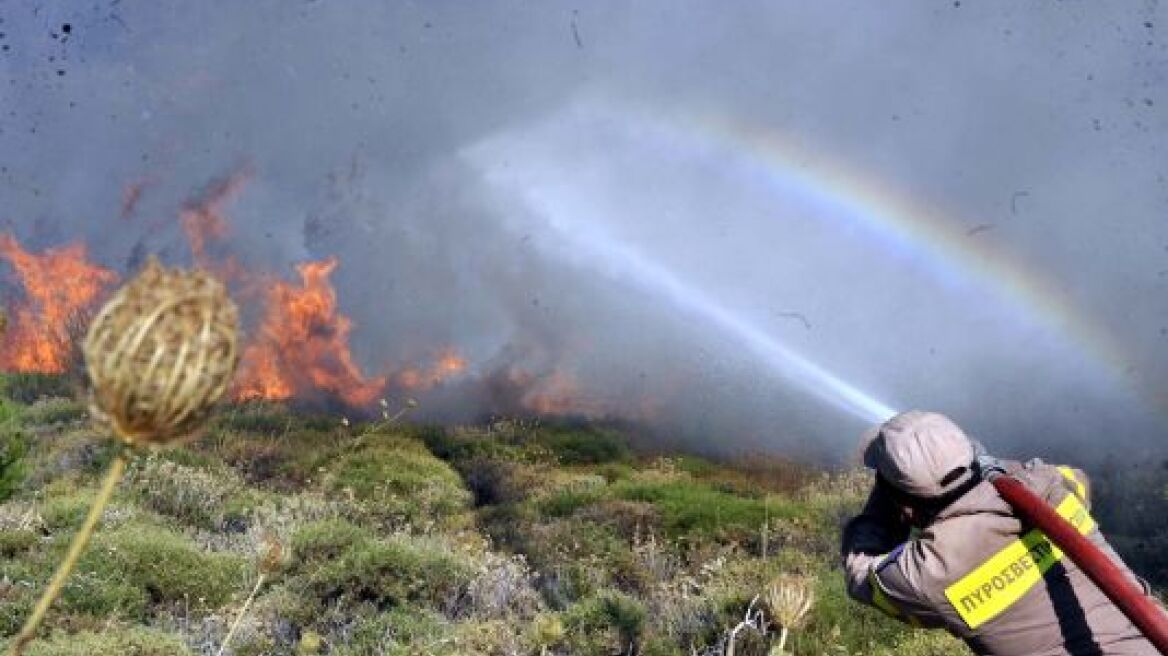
(621, 258)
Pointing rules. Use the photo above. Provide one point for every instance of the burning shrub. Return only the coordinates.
(60, 285)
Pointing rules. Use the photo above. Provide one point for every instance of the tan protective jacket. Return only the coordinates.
(978, 572)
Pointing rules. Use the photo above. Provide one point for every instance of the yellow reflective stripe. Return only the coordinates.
(880, 598)
(1069, 474)
(1001, 580)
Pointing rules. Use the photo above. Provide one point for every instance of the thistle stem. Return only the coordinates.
(242, 614)
(112, 476)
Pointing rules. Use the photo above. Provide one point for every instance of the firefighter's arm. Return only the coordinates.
(868, 538)
(900, 590)
(875, 545)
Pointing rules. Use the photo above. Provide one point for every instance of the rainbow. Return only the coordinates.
(903, 224)
(900, 224)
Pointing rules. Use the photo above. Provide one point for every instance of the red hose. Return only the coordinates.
(1113, 581)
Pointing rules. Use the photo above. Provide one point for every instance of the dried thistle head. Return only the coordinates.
(160, 353)
(789, 598)
(272, 556)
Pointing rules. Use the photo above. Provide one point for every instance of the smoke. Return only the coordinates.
(547, 189)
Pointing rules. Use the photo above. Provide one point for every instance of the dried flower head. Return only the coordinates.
(272, 555)
(789, 598)
(160, 353)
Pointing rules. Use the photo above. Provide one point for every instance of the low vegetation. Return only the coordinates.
(513, 538)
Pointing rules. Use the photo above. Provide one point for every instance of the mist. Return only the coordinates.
(738, 228)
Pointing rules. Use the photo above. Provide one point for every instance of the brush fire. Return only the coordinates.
(297, 341)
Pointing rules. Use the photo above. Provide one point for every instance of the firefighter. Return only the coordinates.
(936, 547)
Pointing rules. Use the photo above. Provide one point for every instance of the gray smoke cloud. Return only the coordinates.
(542, 187)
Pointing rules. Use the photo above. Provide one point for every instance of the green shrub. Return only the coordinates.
(13, 448)
(133, 565)
(394, 572)
(690, 507)
(14, 542)
(55, 410)
(283, 463)
(398, 632)
(195, 496)
(135, 641)
(604, 621)
(263, 417)
(585, 445)
(28, 387)
(398, 482)
(66, 507)
(457, 447)
(563, 503)
(494, 480)
(125, 573)
(324, 541)
(615, 471)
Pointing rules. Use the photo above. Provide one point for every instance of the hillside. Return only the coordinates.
(516, 537)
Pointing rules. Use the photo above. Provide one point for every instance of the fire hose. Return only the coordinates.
(1145, 614)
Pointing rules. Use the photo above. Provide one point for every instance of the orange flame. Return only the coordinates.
(58, 284)
(303, 341)
(448, 365)
(300, 348)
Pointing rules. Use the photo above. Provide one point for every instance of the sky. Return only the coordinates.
(740, 226)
